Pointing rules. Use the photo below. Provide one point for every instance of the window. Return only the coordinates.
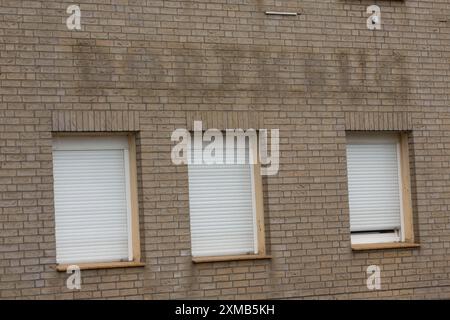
(379, 188)
(95, 199)
(226, 215)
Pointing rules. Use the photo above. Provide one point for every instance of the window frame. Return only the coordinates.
(258, 211)
(132, 199)
(406, 236)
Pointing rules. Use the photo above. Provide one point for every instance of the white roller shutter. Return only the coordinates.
(222, 210)
(374, 182)
(91, 195)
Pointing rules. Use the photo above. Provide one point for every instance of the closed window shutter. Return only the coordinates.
(91, 200)
(222, 217)
(373, 183)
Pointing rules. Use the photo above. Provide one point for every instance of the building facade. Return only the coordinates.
(146, 68)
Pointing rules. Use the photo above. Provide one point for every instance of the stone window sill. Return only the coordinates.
(102, 265)
(381, 246)
(230, 258)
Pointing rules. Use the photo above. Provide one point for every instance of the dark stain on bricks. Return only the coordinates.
(361, 72)
(344, 70)
(251, 67)
(315, 68)
(98, 68)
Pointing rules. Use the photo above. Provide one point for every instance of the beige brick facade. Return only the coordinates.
(150, 67)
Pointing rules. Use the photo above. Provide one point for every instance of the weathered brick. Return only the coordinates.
(234, 67)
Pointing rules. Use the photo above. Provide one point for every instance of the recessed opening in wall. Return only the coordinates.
(225, 200)
(95, 197)
(379, 188)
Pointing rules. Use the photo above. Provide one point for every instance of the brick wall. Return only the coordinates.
(153, 66)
